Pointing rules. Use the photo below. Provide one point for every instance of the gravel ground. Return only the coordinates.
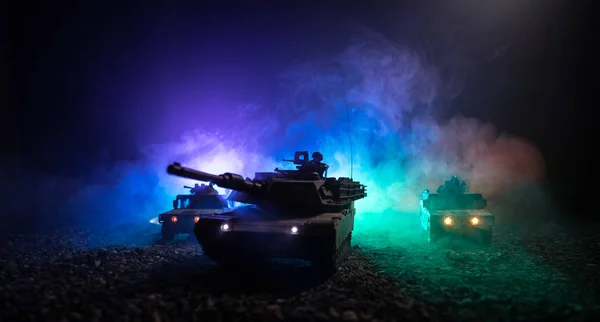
(548, 274)
(80, 275)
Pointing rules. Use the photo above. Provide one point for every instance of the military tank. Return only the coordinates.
(287, 214)
(452, 210)
(187, 210)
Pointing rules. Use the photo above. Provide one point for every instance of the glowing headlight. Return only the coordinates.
(294, 230)
(448, 221)
(474, 221)
(225, 227)
(174, 219)
(197, 219)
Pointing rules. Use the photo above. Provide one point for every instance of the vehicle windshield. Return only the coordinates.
(203, 202)
(456, 202)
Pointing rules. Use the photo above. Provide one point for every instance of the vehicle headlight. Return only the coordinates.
(474, 221)
(294, 230)
(174, 219)
(197, 219)
(448, 221)
(225, 227)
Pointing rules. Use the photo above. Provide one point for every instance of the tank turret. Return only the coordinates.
(299, 188)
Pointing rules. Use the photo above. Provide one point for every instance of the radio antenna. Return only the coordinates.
(350, 139)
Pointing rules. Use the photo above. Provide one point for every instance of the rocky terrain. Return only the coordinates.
(533, 276)
(126, 275)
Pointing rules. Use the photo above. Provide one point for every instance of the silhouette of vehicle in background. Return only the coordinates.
(187, 210)
(454, 211)
(289, 214)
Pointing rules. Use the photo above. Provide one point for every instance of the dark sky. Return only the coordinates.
(535, 58)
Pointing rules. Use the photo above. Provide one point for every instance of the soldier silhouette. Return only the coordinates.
(453, 186)
(197, 188)
(210, 189)
(315, 165)
(204, 189)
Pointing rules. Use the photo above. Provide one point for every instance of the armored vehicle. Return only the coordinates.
(454, 211)
(288, 214)
(187, 209)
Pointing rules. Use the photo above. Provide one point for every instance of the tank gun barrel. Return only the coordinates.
(189, 173)
(227, 180)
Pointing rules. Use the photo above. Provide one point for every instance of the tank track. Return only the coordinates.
(229, 256)
(331, 260)
(324, 262)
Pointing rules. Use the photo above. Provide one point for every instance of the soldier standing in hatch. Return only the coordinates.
(210, 189)
(204, 189)
(196, 189)
(453, 186)
(316, 164)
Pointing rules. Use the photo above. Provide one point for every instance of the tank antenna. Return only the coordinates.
(350, 139)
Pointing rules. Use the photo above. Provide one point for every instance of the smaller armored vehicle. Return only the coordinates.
(187, 210)
(288, 214)
(454, 211)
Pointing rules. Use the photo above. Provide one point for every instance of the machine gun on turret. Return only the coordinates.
(306, 167)
(300, 159)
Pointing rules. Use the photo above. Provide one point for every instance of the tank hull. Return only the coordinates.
(252, 235)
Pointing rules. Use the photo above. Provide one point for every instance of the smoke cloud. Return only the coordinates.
(369, 109)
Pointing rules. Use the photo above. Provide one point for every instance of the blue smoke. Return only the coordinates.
(368, 109)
